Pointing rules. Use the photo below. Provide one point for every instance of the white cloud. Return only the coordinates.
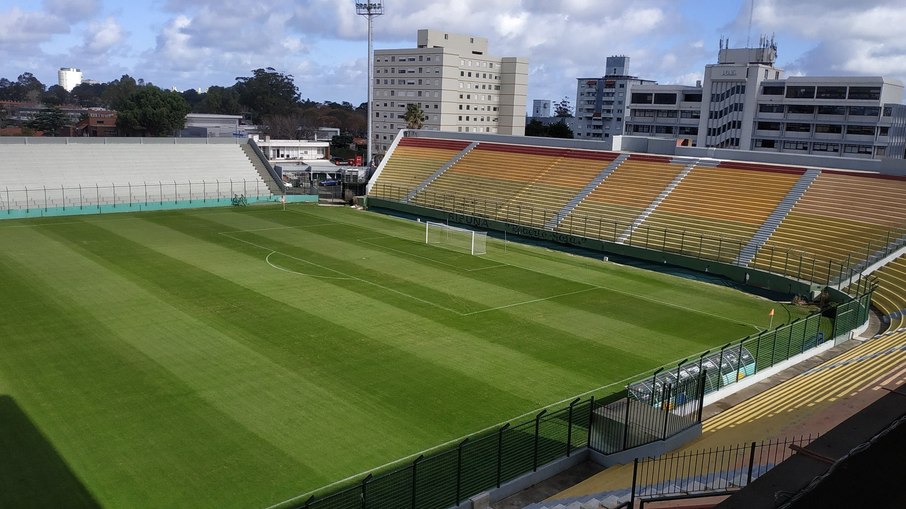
(103, 36)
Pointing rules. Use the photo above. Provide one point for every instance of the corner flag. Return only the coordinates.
(283, 201)
(771, 313)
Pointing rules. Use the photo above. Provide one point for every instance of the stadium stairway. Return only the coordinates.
(747, 254)
(260, 167)
(595, 182)
(666, 192)
(417, 189)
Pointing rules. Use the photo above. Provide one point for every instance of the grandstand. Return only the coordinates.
(794, 218)
(74, 174)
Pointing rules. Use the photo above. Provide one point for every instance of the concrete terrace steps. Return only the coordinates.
(690, 164)
(748, 252)
(431, 178)
(591, 186)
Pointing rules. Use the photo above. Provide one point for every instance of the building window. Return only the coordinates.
(795, 145)
(759, 143)
(831, 93)
(793, 92)
(773, 90)
(857, 149)
(800, 109)
(831, 110)
(770, 108)
(865, 93)
(826, 147)
(768, 126)
(828, 128)
(861, 130)
(798, 128)
(864, 111)
(664, 98)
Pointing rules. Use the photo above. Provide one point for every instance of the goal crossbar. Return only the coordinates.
(452, 237)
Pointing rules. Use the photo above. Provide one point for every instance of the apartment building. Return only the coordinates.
(602, 104)
(456, 83)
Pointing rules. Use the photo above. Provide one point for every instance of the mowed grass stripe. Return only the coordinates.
(116, 416)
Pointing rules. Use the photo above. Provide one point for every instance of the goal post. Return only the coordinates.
(458, 239)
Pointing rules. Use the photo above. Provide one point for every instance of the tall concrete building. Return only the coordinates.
(602, 104)
(541, 108)
(730, 87)
(69, 78)
(458, 86)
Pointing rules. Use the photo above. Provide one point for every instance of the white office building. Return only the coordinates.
(602, 104)
(745, 102)
(458, 86)
(830, 116)
(69, 78)
(665, 111)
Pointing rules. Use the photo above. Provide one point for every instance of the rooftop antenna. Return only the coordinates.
(751, 14)
(370, 10)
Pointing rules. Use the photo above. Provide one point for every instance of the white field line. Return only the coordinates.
(619, 383)
(268, 260)
(300, 227)
(531, 301)
(348, 276)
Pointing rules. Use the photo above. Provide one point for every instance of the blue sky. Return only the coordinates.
(198, 43)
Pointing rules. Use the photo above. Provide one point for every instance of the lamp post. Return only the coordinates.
(370, 10)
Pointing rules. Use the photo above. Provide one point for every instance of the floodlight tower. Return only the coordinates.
(370, 10)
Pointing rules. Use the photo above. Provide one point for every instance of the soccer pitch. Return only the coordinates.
(241, 357)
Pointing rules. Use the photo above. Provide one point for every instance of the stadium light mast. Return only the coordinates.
(370, 10)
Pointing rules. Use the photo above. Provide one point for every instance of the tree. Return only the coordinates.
(286, 126)
(153, 111)
(88, 95)
(559, 130)
(414, 116)
(267, 92)
(118, 91)
(49, 121)
(563, 108)
(55, 95)
(219, 101)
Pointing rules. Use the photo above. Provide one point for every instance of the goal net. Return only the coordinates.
(459, 239)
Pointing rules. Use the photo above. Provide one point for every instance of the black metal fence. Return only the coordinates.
(635, 420)
(800, 265)
(711, 470)
(476, 464)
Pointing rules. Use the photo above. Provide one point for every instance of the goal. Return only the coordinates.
(459, 239)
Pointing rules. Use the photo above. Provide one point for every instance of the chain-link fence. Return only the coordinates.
(99, 198)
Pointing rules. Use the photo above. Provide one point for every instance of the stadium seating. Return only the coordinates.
(715, 211)
(614, 204)
(415, 159)
(123, 172)
(890, 294)
(846, 217)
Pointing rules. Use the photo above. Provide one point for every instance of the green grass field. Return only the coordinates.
(238, 358)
